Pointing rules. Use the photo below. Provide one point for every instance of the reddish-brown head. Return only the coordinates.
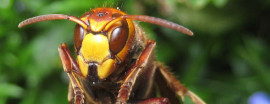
(104, 43)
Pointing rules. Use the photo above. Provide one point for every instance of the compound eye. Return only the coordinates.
(78, 36)
(118, 38)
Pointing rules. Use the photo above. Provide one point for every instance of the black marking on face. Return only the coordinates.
(92, 73)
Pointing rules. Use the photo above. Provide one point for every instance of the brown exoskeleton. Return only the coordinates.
(115, 61)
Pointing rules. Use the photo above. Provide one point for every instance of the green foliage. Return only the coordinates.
(226, 61)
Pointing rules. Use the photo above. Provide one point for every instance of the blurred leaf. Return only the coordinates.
(5, 4)
(10, 90)
(220, 3)
(251, 53)
(198, 4)
(195, 65)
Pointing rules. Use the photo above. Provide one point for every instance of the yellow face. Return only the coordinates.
(105, 45)
(95, 49)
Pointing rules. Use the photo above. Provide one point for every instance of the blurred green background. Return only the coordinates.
(225, 62)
